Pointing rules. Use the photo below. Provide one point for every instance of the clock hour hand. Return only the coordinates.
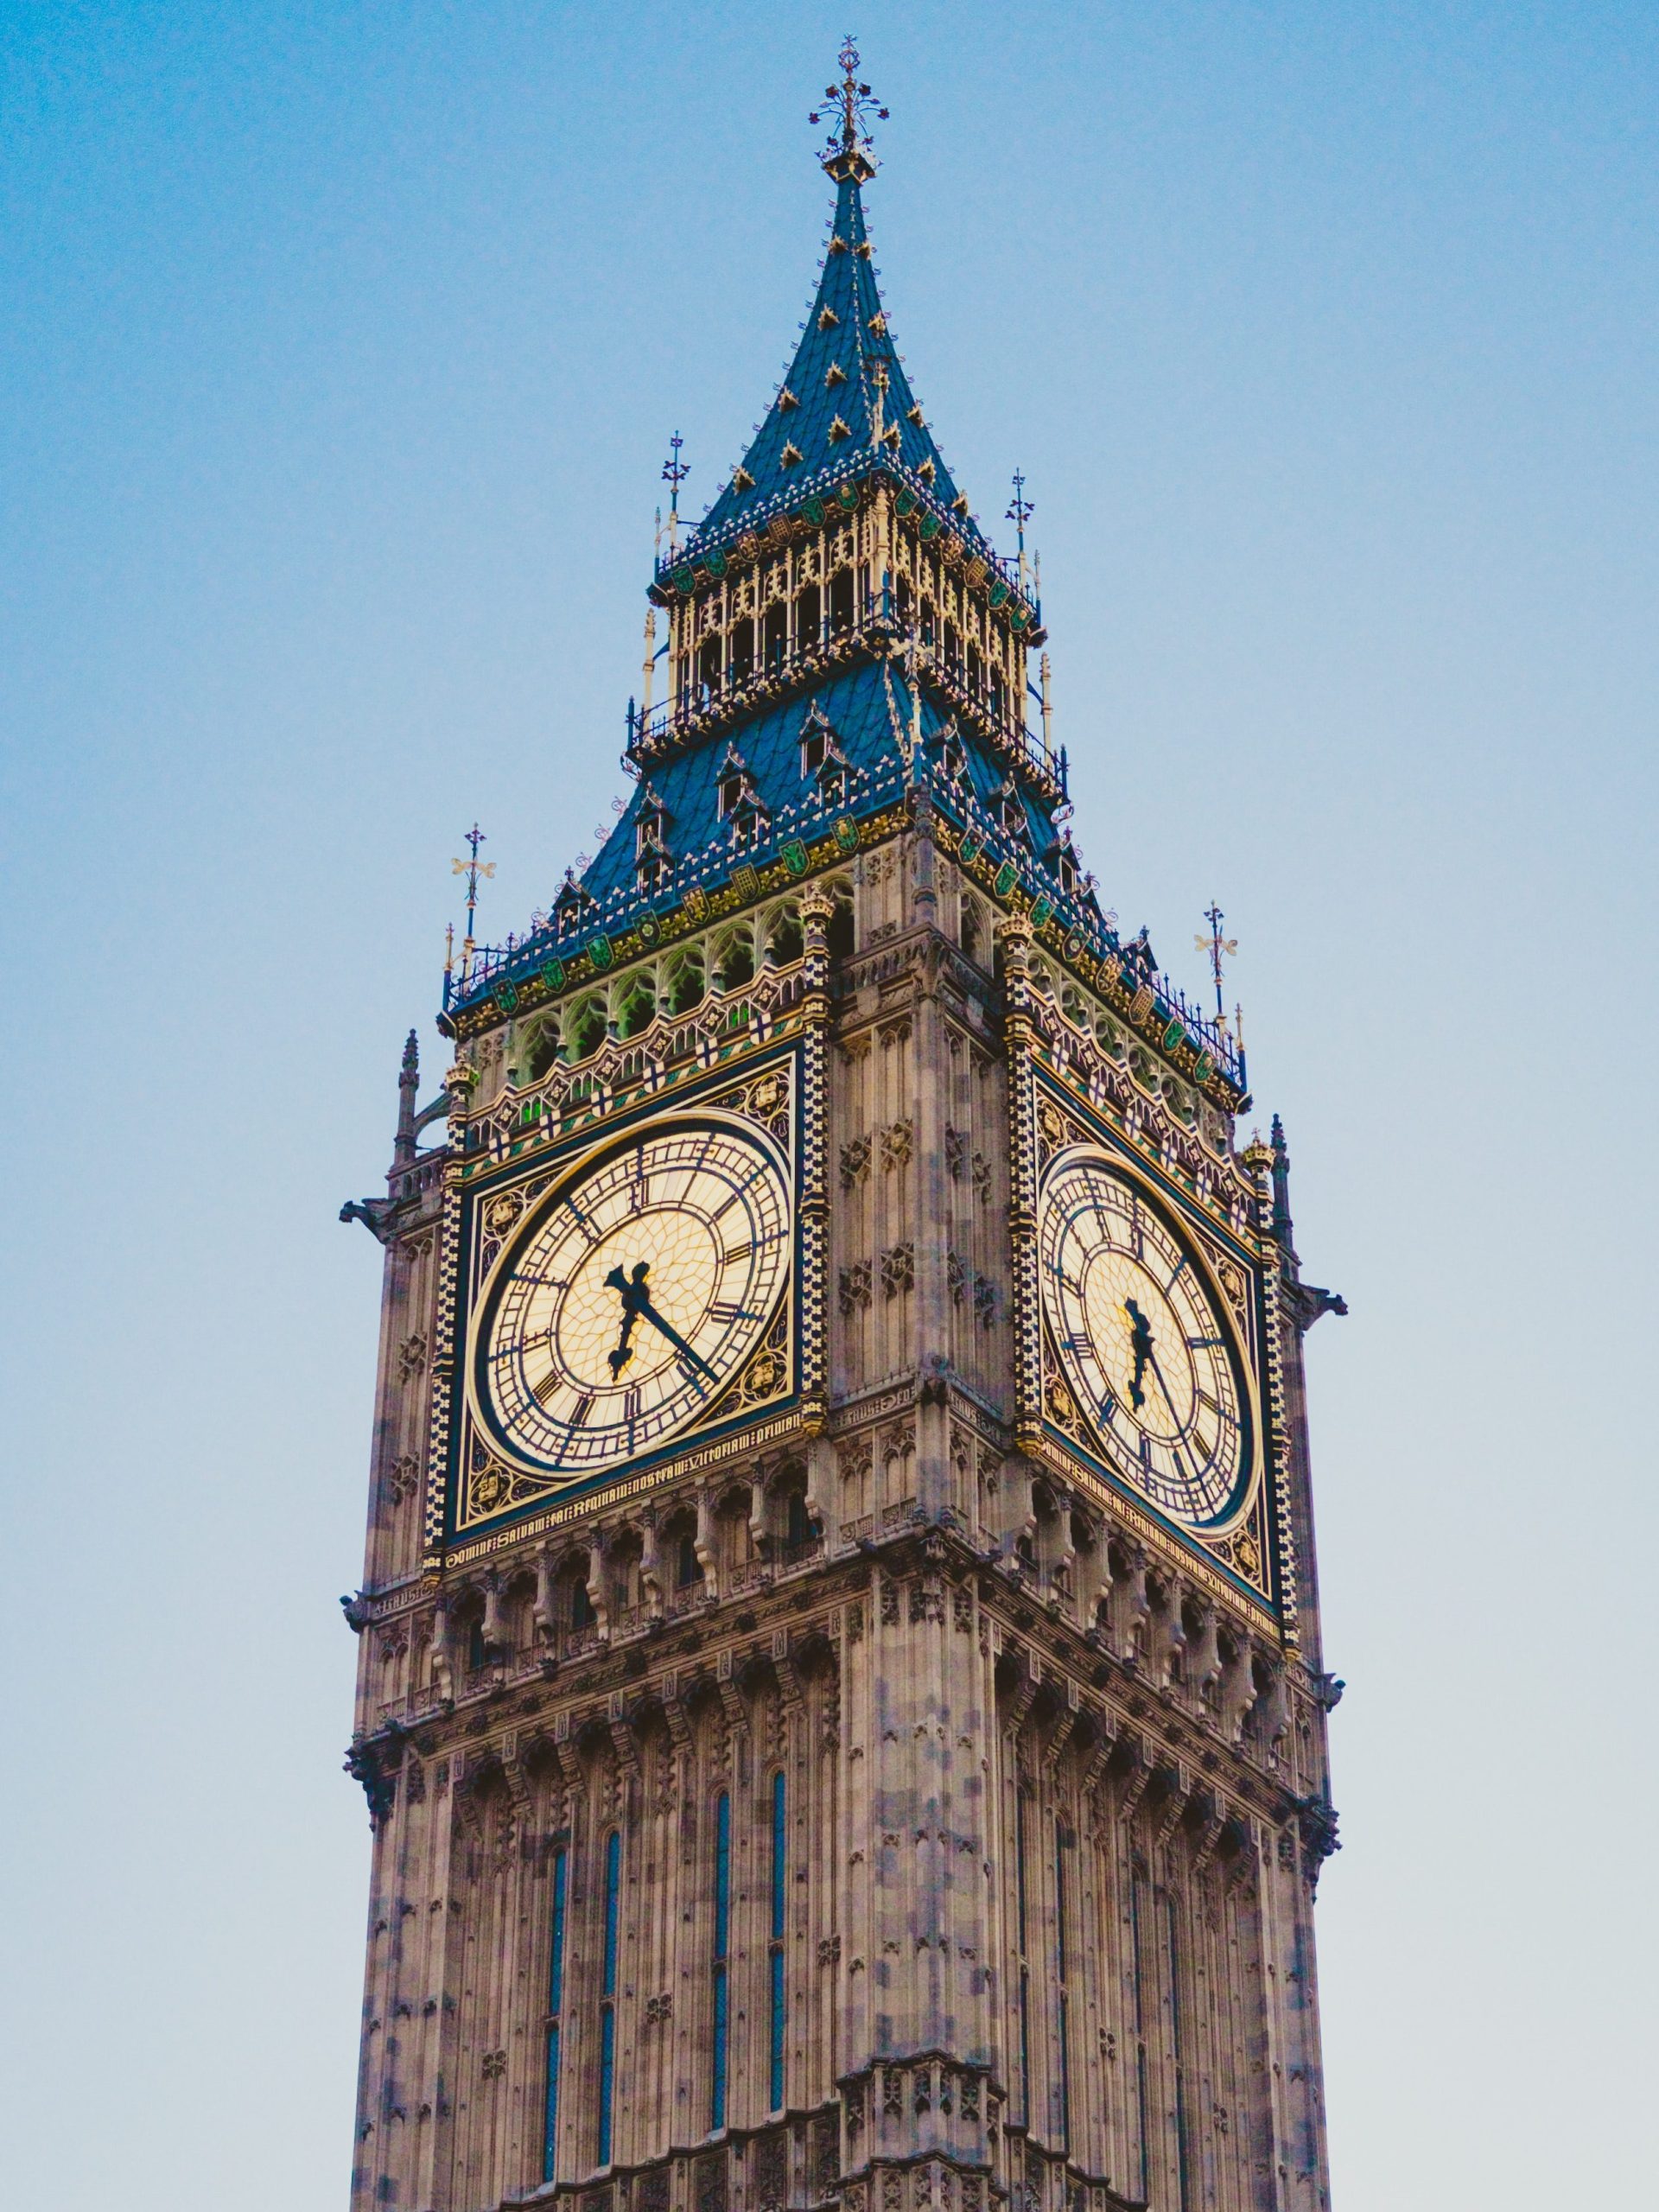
(1141, 1341)
(634, 1297)
(636, 1301)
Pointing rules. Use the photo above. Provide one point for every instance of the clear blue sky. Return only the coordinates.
(339, 351)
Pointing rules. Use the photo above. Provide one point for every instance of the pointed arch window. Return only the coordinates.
(750, 824)
(720, 2040)
(778, 1995)
(651, 823)
(554, 2007)
(736, 786)
(607, 1995)
(573, 903)
(822, 758)
(1010, 811)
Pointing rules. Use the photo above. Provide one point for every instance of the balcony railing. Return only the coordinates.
(863, 790)
(704, 708)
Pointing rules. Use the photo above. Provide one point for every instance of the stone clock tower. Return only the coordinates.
(839, 1695)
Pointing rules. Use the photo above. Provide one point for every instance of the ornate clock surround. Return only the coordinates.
(1247, 1558)
(487, 1495)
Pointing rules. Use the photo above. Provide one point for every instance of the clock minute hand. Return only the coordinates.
(674, 1336)
(1152, 1360)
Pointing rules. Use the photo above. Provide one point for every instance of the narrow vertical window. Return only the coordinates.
(1142, 2100)
(1062, 1844)
(722, 1937)
(607, 1995)
(555, 2006)
(1175, 2038)
(775, 1958)
(1025, 1955)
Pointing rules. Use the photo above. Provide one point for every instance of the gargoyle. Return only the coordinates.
(1309, 1302)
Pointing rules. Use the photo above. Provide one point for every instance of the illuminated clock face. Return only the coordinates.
(632, 1296)
(1147, 1347)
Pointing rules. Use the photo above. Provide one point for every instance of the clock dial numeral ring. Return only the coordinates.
(629, 1297)
(1142, 1337)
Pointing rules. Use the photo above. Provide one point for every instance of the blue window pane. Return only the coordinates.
(722, 1938)
(555, 1963)
(717, 2094)
(722, 1874)
(612, 1887)
(780, 1901)
(550, 2117)
(776, 2092)
(780, 1857)
(554, 1997)
(606, 2082)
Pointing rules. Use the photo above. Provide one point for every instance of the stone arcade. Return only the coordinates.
(840, 1693)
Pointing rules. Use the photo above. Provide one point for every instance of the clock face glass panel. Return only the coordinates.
(634, 1295)
(1155, 1362)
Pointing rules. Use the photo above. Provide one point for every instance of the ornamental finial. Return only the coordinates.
(472, 869)
(675, 472)
(847, 153)
(1219, 948)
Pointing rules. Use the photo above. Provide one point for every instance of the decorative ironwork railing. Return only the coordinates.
(745, 689)
(1084, 927)
(863, 790)
(501, 970)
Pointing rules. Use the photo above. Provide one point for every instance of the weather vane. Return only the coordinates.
(1219, 948)
(849, 135)
(675, 472)
(1020, 514)
(472, 869)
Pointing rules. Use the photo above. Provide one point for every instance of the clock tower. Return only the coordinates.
(839, 1695)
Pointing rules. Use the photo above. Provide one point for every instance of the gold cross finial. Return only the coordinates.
(847, 151)
(472, 869)
(1219, 948)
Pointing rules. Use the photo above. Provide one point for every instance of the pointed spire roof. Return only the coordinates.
(846, 403)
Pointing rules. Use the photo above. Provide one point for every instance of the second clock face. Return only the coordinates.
(1146, 1345)
(632, 1296)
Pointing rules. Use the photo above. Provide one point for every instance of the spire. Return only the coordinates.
(846, 401)
(1282, 1223)
(409, 1082)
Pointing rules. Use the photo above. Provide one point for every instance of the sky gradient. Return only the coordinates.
(340, 348)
